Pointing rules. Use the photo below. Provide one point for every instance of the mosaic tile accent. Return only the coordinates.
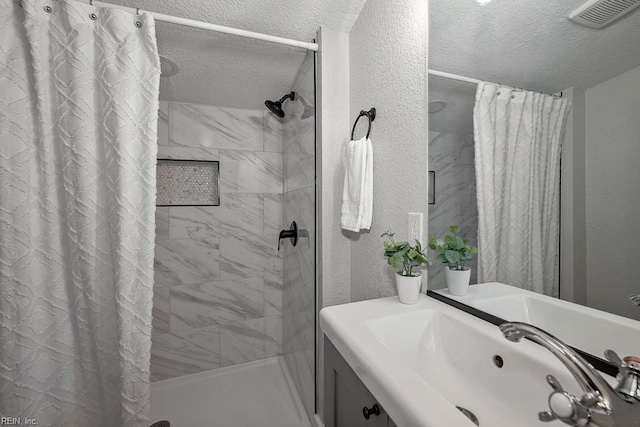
(187, 183)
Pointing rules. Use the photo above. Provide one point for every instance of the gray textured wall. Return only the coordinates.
(388, 65)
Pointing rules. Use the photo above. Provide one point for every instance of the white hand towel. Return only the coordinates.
(368, 188)
(357, 194)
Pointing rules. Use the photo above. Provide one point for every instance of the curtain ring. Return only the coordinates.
(138, 23)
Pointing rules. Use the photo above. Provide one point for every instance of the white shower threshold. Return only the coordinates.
(259, 393)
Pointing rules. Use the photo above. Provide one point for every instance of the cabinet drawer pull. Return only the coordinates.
(374, 410)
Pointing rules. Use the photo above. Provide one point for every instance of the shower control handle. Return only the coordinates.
(292, 234)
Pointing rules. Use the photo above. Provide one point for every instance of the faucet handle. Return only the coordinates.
(546, 416)
(555, 384)
(561, 403)
(628, 375)
(565, 407)
(613, 357)
(630, 363)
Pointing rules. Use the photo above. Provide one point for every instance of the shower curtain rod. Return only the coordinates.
(211, 27)
(453, 76)
(477, 81)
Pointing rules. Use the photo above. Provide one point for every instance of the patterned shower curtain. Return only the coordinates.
(517, 147)
(78, 111)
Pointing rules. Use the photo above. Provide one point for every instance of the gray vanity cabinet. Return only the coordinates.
(346, 396)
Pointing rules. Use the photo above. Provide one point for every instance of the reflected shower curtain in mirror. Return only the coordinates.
(517, 155)
(78, 111)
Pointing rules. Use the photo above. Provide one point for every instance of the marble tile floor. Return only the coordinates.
(259, 393)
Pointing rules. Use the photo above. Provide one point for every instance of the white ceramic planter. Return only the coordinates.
(408, 288)
(458, 281)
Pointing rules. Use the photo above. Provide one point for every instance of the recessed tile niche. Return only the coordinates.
(187, 183)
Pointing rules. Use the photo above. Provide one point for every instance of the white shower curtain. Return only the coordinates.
(517, 148)
(78, 111)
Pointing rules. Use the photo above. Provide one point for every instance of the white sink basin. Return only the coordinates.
(457, 359)
(422, 361)
(588, 329)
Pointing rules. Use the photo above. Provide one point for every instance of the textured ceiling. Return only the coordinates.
(232, 71)
(526, 44)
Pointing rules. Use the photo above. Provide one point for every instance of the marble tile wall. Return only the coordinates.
(218, 274)
(299, 262)
(451, 156)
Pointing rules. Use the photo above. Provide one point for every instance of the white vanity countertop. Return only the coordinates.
(421, 361)
(408, 399)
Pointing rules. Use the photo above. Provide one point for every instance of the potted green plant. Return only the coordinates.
(454, 252)
(404, 258)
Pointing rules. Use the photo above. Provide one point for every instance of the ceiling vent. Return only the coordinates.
(599, 13)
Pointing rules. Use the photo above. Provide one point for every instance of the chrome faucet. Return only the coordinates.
(601, 405)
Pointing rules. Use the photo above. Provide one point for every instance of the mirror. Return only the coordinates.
(535, 46)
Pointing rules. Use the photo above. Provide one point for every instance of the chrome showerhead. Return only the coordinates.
(276, 106)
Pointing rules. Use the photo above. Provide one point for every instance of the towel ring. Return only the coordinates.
(371, 115)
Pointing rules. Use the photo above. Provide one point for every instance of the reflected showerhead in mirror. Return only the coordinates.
(437, 106)
(168, 68)
(276, 106)
(309, 110)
